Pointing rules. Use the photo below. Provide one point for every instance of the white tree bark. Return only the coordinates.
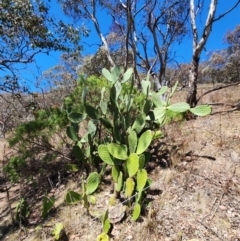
(198, 46)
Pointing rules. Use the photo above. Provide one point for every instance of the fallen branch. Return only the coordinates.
(216, 88)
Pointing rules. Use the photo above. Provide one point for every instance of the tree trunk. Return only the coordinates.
(193, 76)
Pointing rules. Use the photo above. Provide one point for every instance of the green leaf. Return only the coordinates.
(132, 140)
(105, 155)
(72, 167)
(127, 75)
(76, 117)
(73, 197)
(57, 231)
(92, 112)
(107, 74)
(93, 181)
(201, 110)
(71, 133)
(48, 203)
(132, 164)
(179, 107)
(136, 212)
(141, 179)
(117, 151)
(139, 123)
(130, 185)
(144, 142)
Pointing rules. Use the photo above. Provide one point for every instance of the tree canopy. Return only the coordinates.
(26, 29)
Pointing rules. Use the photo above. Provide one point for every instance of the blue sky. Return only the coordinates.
(184, 50)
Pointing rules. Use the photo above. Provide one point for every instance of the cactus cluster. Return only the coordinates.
(128, 131)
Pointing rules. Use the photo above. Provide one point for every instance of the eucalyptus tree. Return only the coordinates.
(146, 30)
(200, 39)
(27, 29)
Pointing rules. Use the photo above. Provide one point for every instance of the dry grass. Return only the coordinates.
(197, 197)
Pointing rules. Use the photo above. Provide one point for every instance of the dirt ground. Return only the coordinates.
(195, 194)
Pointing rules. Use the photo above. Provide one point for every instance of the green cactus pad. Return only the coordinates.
(119, 183)
(157, 101)
(73, 197)
(139, 123)
(132, 140)
(179, 107)
(173, 89)
(91, 199)
(115, 173)
(107, 74)
(136, 212)
(76, 117)
(132, 164)
(102, 93)
(58, 230)
(162, 90)
(105, 155)
(115, 72)
(130, 185)
(118, 88)
(71, 133)
(103, 106)
(106, 226)
(127, 75)
(201, 110)
(77, 152)
(141, 179)
(103, 237)
(143, 158)
(92, 112)
(146, 86)
(144, 142)
(141, 161)
(106, 123)
(93, 181)
(117, 151)
(156, 134)
(147, 106)
(91, 127)
(159, 113)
